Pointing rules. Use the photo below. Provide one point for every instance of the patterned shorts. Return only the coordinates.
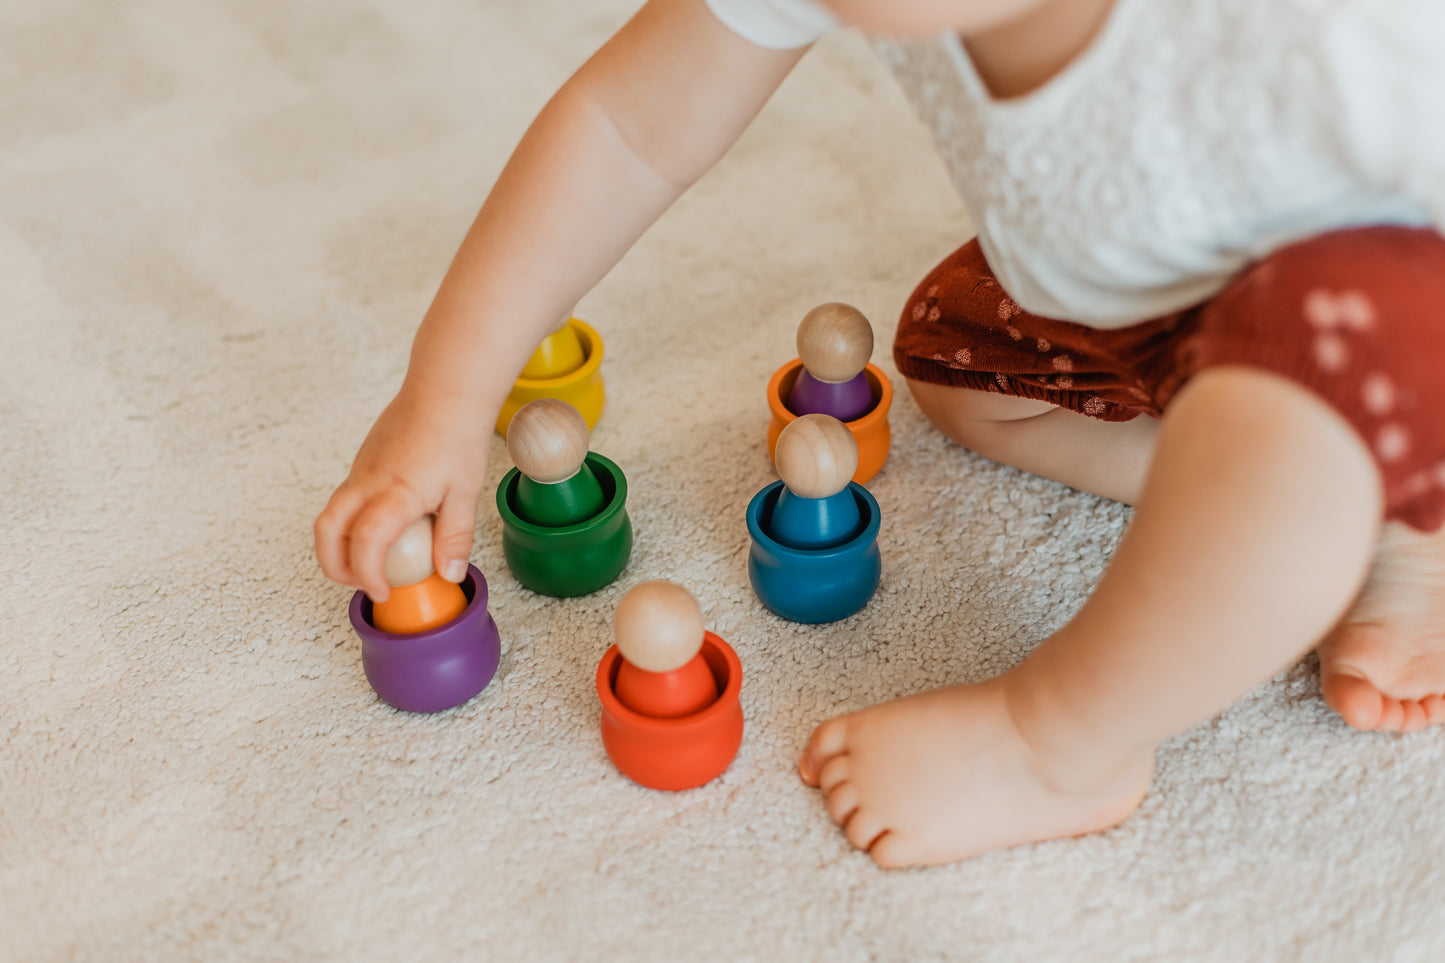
(1356, 316)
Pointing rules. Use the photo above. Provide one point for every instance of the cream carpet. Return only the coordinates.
(219, 225)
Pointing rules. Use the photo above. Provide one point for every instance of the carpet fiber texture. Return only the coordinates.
(219, 226)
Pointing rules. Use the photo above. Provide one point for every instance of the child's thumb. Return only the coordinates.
(452, 539)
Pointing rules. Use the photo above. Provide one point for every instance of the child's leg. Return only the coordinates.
(1381, 668)
(1358, 315)
(1254, 529)
(1105, 458)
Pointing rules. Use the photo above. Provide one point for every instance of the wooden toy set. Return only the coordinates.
(669, 689)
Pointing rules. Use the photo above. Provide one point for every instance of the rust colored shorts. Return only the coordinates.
(1356, 316)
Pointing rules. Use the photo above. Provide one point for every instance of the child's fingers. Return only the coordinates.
(373, 531)
(452, 541)
(333, 546)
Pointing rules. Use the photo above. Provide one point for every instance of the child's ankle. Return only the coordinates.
(1070, 753)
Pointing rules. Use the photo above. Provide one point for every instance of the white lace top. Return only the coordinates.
(1190, 138)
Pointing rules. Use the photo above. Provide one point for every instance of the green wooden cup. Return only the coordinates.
(568, 560)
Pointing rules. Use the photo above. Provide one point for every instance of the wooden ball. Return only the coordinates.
(835, 342)
(547, 440)
(408, 561)
(658, 626)
(816, 456)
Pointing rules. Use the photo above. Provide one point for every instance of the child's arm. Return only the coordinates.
(645, 117)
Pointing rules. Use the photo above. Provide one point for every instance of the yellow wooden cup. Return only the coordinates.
(580, 387)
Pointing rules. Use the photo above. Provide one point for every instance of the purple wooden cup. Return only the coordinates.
(434, 670)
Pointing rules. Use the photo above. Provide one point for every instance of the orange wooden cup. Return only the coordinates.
(870, 430)
(680, 753)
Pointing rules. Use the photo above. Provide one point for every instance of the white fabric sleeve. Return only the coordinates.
(1386, 62)
(775, 24)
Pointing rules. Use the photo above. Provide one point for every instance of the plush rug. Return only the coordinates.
(219, 226)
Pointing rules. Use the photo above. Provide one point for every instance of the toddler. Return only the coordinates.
(1208, 282)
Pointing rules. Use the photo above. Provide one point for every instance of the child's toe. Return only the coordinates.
(1357, 701)
(827, 742)
(891, 851)
(1392, 714)
(863, 828)
(1414, 716)
(834, 772)
(842, 803)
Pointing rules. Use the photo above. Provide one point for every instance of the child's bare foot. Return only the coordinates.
(1384, 666)
(949, 774)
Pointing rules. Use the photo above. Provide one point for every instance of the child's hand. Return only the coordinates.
(423, 455)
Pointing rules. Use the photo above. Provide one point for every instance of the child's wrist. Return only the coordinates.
(471, 402)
